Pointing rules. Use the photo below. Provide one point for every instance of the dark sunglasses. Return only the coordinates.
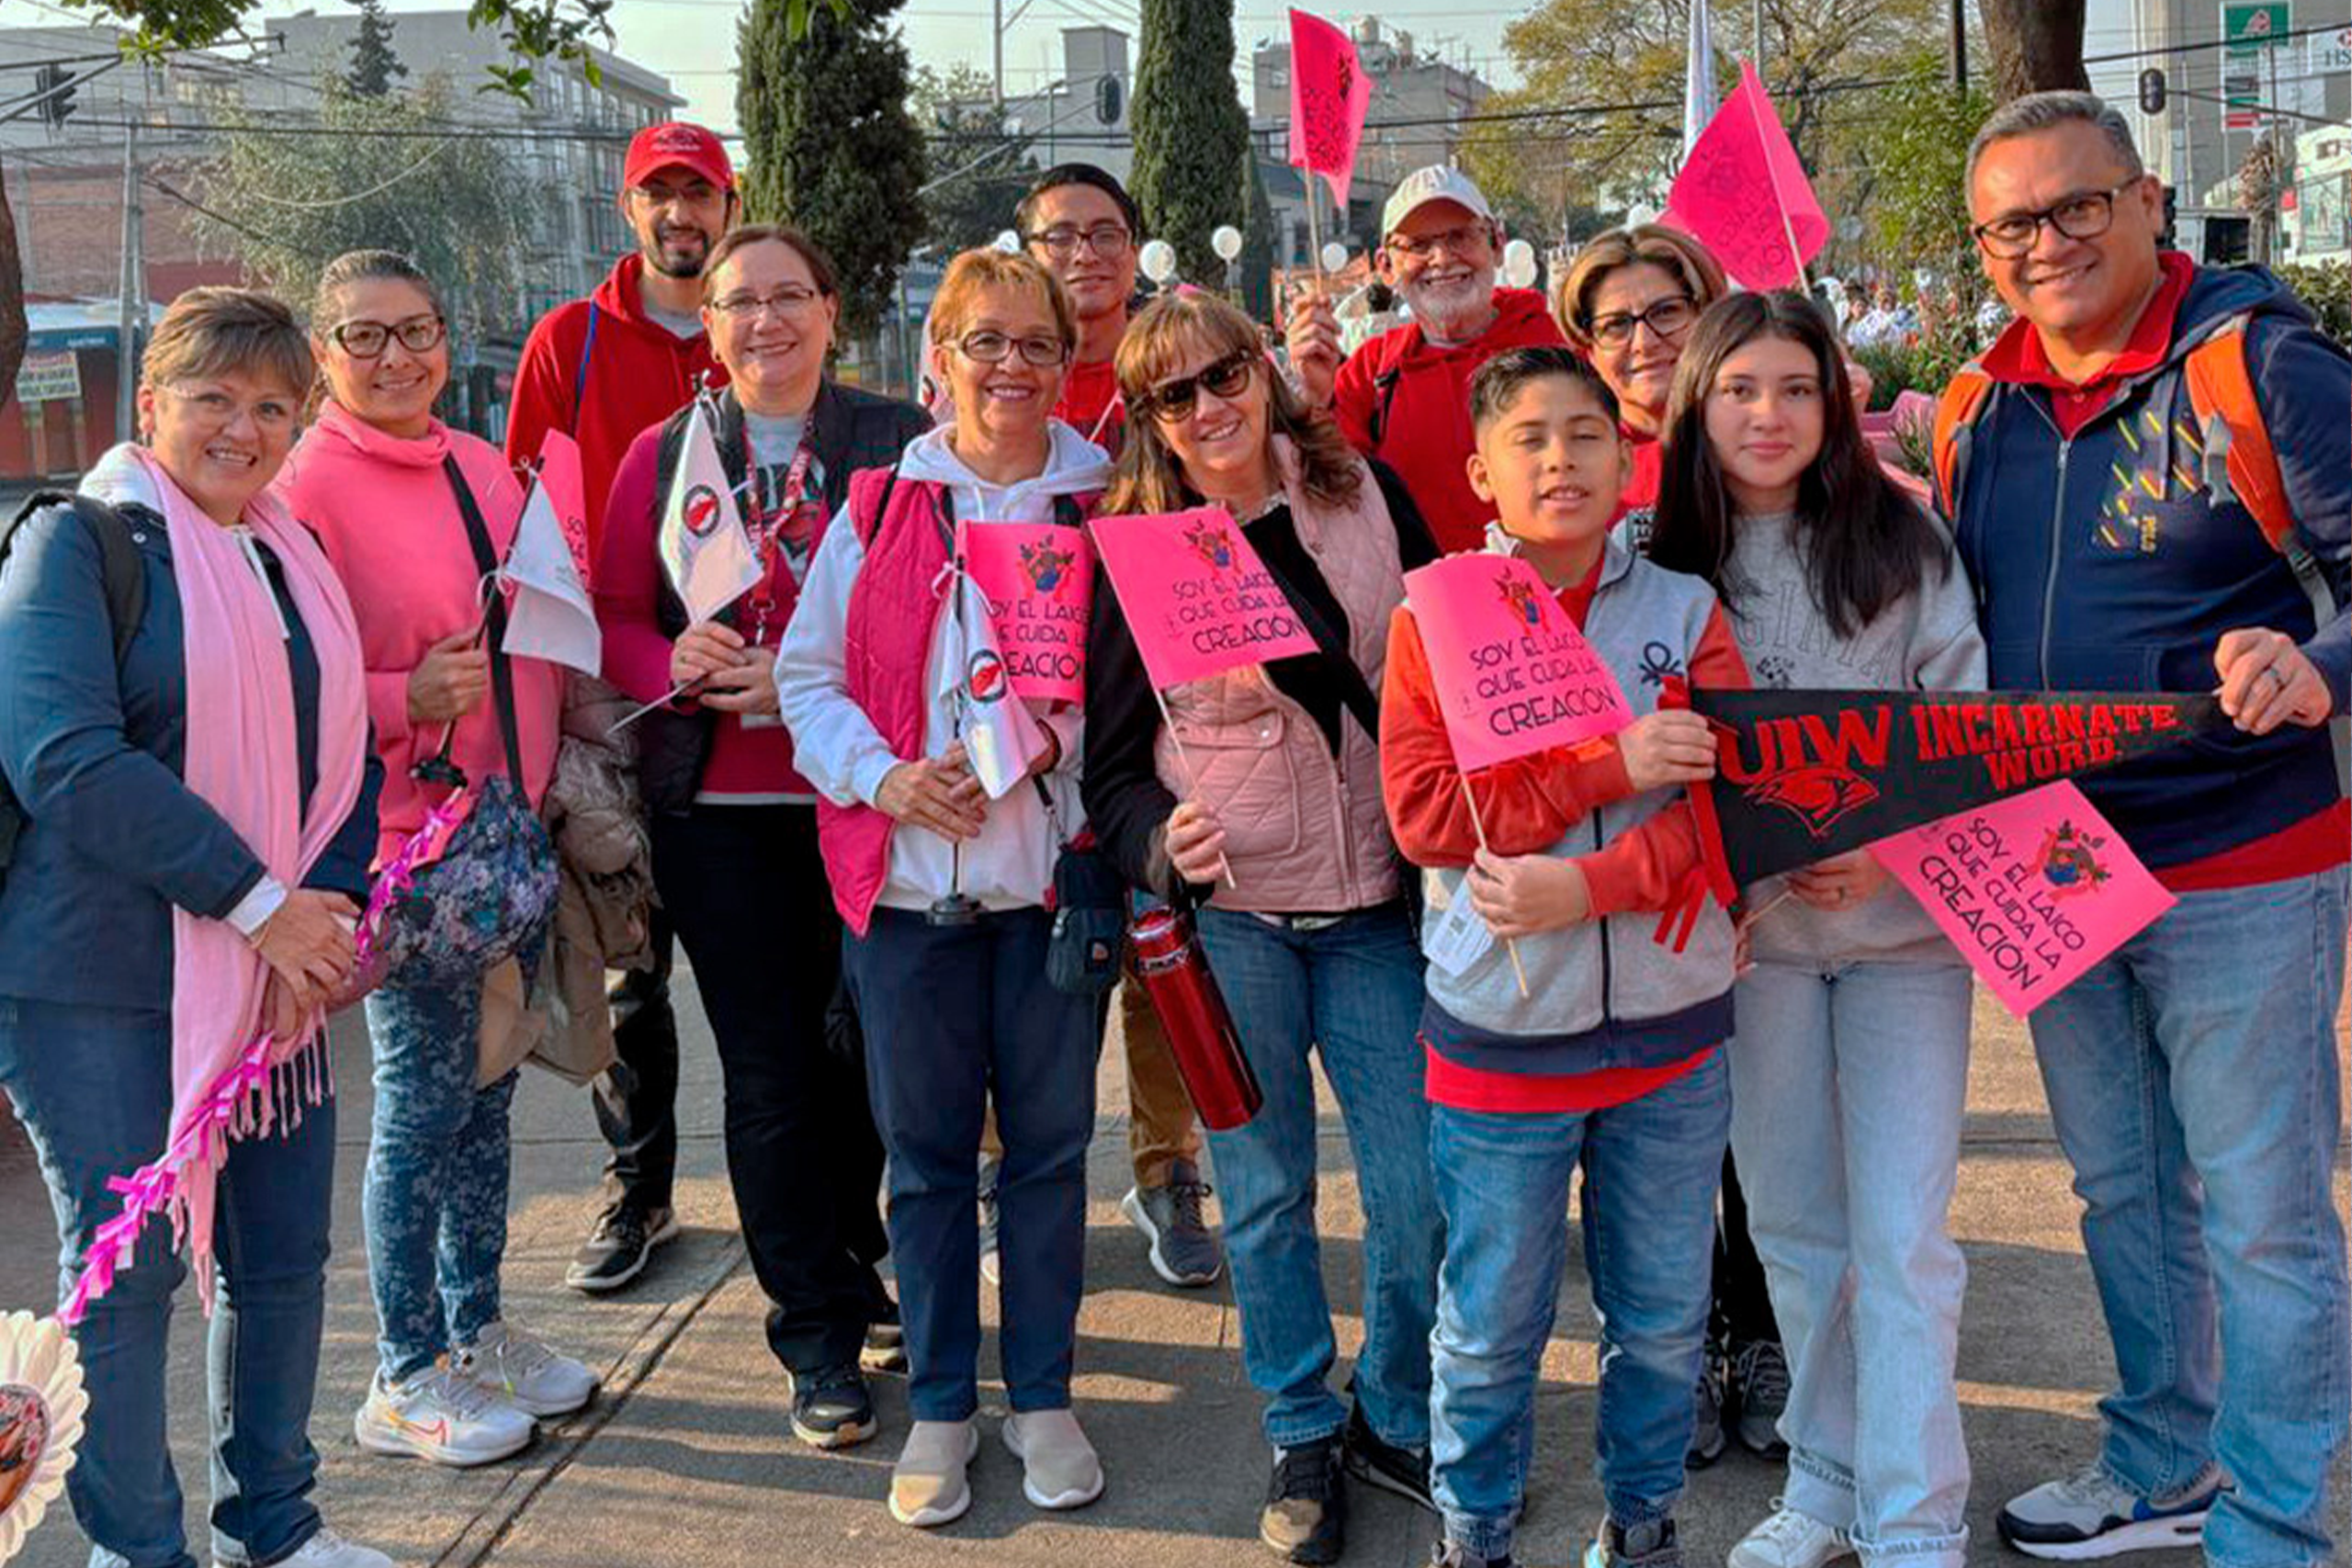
(1172, 402)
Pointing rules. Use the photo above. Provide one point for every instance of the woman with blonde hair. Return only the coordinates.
(1279, 780)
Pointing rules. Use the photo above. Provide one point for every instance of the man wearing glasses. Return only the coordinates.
(1404, 398)
(2150, 475)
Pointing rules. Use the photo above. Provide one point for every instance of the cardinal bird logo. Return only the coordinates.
(2069, 862)
(1817, 795)
(701, 510)
(985, 677)
(1520, 595)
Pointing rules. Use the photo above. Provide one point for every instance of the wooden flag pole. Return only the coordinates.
(1518, 970)
(1193, 778)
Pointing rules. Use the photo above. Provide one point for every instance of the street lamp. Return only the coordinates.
(1227, 243)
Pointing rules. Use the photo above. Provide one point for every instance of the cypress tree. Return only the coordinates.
(373, 64)
(1192, 137)
(829, 143)
(1258, 246)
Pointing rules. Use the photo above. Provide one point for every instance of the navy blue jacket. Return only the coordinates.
(2100, 563)
(113, 838)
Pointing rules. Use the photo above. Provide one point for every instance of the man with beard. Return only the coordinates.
(601, 369)
(1404, 397)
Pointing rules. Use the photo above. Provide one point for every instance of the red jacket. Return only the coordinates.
(1422, 415)
(637, 373)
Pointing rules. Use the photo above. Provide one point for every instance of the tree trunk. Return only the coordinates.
(2037, 45)
(12, 300)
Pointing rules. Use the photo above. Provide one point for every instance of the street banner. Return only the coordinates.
(1512, 672)
(550, 617)
(1198, 599)
(2032, 890)
(1038, 580)
(1328, 94)
(1000, 736)
(1744, 194)
(1804, 775)
(705, 547)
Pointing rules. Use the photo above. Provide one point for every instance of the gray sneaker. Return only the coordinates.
(1185, 1249)
(1649, 1545)
(2090, 1514)
(1761, 1373)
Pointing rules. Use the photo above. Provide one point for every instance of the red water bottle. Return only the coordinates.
(1200, 1028)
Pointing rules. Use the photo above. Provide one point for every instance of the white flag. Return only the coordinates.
(704, 546)
(1000, 736)
(1698, 78)
(550, 617)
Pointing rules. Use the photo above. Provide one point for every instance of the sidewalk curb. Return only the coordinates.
(489, 1528)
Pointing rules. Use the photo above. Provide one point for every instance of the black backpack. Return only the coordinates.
(126, 588)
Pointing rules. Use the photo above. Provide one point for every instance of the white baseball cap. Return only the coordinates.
(1439, 182)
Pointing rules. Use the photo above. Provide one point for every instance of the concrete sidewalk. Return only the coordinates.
(686, 1459)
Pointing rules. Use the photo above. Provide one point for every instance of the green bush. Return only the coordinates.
(2327, 288)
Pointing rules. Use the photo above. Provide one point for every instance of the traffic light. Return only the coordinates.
(56, 86)
(2152, 91)
(2172, 218)
(1110, 96)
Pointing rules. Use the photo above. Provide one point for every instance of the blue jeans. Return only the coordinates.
(1651, 1167)
(435, 1204)
(955, 1017)
(1353, 989)
(2192, 1078)
(93, 1086)
(1849, 1084)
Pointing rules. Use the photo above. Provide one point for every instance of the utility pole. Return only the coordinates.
(1959, 46)
(999, 59)
(132, 320)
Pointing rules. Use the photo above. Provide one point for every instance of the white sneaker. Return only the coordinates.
(1790, 1539)
(328, 1550)
(526, 1373)
(440, 1415)
(2090, 1515)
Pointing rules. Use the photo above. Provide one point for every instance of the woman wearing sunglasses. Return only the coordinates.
(1278, 778)
(379, 479)
(944, 889)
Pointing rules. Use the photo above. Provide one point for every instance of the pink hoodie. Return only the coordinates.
(383, 509)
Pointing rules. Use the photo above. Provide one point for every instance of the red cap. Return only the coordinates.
(674, 144)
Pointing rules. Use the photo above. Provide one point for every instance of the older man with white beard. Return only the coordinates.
(1404, 397)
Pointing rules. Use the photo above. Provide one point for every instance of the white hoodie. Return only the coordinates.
(836, 746)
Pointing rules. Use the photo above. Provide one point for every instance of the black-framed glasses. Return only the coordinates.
(993, 348)
(787, 302)
(2086, 215)
(366, 340)
(1669, 318)
(1107, 239)
(1173, 401)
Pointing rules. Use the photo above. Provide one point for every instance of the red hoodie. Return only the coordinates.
(639, 373)
(1425, 430)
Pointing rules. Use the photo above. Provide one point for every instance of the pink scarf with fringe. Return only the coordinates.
(226, 1077)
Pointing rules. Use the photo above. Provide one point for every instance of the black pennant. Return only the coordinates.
(1804, 775)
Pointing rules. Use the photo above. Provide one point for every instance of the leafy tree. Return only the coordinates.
(830, 142)
(283, 205)
(2037, 45)
(1918, 213)
(373, 62)
(1192, 138)
(965, 132)
(1257, 245)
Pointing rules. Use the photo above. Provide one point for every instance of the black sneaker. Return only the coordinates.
(1707, 1408)
(616, 1250)
(830, 1409)
(1761, 1372)
(1305, 1518)
(1454, 1554)
(1649, 1545)
(1376, 1463)
(886, 1341)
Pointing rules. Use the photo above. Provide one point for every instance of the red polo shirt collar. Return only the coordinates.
(2018, 357)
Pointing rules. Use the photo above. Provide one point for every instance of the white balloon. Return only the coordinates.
(1225, 242)
(1009, 242)
(1335, 256)
(1157, 259)
(1519, 263)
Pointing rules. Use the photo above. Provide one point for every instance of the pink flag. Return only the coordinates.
(1512, 674)
(1039, 581)
(2033, 889)
(1197, 598)
(1328, 96)
(1743, 193)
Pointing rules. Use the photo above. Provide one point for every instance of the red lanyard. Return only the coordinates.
(767, 529)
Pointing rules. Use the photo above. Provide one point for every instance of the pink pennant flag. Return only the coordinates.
(1512, 674)
(1743, 193)
(1328, 94)
(1038, 579)
(2032, 890)
(1197, 597)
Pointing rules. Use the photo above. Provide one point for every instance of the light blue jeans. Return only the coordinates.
(2193, 1081)
(1849, 1084)
(1651, 1168)
(1351, 988)
(434, 1203)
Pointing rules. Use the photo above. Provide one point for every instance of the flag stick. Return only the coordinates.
(1509, 946)
(1787, 226)
(1191, 777)
(672, 696)
(1314, 230)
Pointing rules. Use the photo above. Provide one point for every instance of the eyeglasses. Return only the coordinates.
(1669, 318)
(784, 302)
(1108, 240)
(2084, 215)
(1172, 402)
(366, 340)
(1461, 241)
(218, 411)
(994, 348)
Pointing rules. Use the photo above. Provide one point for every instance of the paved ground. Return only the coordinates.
(686, 1459)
